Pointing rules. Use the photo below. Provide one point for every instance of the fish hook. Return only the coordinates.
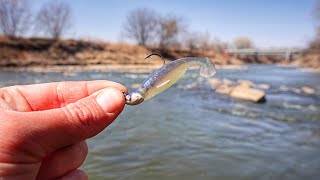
(164, 61)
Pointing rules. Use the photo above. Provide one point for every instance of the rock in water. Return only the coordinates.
(227, 82)
(215, 83)
(245, 83)
(224, 89)
(250, 94)
(308, 90)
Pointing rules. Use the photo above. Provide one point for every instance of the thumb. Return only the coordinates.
(77, 121)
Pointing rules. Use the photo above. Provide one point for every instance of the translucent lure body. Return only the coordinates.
(166, 76)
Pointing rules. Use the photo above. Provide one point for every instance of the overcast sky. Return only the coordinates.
(269, 23)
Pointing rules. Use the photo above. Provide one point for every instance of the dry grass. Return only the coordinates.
(37, 51)
(44, 52)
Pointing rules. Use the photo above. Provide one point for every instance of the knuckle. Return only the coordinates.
(83, 113)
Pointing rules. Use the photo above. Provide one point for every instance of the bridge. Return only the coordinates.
(289, 54)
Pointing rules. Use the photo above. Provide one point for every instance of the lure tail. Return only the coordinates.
(207, 68)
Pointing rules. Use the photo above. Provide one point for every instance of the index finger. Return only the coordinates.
(53, 95)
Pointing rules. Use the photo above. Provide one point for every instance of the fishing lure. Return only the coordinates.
(166, 76)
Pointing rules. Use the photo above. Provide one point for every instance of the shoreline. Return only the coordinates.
(131, 68)
(134, 68)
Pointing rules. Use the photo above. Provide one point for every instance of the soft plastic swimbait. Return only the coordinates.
(166, 76)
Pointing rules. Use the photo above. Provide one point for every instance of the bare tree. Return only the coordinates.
(169, 29)
(190, 41)
(54, 19)
(202, 41)
(242, 43)
(197, 40)
(315, 43)
(14, 17)
(140, 25)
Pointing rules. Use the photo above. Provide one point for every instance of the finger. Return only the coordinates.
(75, 175)
(4, 105)
(52, 95)
(57, 128)
(63, 161)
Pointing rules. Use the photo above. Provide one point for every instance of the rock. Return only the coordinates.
(250, 94)
(264, 86)
(245, 83)
(308, 90)
(224, 89)
(214, 83)
(227, 82)
(135, 86)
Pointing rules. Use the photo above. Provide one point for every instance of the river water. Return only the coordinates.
(191, 132)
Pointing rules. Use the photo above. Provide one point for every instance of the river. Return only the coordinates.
(191, 132)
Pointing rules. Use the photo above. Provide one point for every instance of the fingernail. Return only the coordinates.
(110, 100)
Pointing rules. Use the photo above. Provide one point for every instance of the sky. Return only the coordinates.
(268, 23)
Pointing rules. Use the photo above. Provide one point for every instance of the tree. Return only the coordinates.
(140, 25)
(315, 43)
(14, 17)
(54, 19)
(242, 43)
(169, 29)
(197, 40)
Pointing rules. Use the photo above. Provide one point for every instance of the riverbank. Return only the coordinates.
(134, 68)
(35, 54)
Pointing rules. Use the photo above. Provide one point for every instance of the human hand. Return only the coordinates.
(43, 127)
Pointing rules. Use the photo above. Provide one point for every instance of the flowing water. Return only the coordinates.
(191, 132)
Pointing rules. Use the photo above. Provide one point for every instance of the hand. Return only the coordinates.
(43, 127)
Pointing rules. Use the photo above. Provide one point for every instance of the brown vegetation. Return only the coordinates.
(37, 51)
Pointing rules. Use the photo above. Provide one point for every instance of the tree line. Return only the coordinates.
(52, 20)
(147, 27)
(144, 26)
